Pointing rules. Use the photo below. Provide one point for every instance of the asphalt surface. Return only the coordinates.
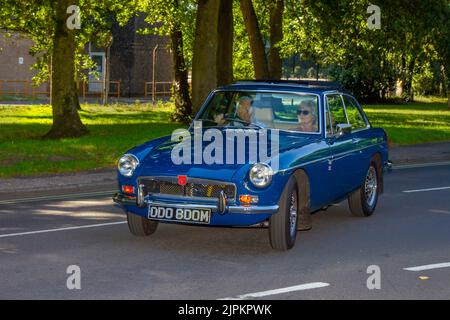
(408, 229)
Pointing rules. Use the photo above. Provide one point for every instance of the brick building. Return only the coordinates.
(15, 63)
(131, 60)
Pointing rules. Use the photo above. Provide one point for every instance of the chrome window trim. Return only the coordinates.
(345, 109)
(329, 93)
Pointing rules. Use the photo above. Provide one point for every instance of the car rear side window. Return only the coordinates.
(354, 115)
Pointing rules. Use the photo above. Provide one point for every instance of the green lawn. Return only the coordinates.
(113, 130)
(116, 128)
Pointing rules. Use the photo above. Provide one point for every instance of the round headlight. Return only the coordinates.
(260, 175)
(127, 164)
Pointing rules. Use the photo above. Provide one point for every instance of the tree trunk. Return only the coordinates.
(66, 120)
(276, 36)
(255, 38)
(204, 74)
(225, 43)
(183, 104)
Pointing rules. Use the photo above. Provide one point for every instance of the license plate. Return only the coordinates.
(190, 215)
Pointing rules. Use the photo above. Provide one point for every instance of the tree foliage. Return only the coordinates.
(367, 61)
(45, 23)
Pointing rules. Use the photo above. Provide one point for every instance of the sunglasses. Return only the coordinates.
(303, 112)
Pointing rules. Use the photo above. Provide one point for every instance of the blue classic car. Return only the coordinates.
(258, 153)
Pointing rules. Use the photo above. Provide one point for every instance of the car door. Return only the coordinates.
(344, 148)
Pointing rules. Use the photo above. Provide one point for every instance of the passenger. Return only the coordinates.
(307, 116)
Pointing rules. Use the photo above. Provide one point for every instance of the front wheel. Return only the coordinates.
(283, 224)
(363, 201)
(140, 226)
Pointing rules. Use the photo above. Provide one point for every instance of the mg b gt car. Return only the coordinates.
(258, 154)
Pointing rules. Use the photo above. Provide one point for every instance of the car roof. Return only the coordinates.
(285, 85)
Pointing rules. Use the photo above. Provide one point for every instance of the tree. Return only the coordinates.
(256, 42)
(225, 43)
(38, 19)
(181, 96)
(66, 120)
(45, 22)
(204, 60)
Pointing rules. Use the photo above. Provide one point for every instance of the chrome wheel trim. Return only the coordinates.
(370, 187)
(293, 214)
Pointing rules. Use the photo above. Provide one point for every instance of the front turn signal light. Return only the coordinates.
(248, 199)
(128, 189)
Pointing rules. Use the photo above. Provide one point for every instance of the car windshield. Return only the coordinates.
(273, 110)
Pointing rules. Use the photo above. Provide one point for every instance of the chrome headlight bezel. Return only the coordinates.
(127, 164)
(260, 175)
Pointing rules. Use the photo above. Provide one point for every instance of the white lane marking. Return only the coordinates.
(428, 189)
(61, 229)
(57, 197)
(306, 286)
(439, 211)
(429, 267)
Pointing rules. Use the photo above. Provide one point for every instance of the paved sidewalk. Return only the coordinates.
(420, 153)
(106, 180)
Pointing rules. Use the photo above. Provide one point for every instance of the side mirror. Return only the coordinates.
(343, 129)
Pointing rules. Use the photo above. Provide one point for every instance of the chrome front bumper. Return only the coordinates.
(121, 199)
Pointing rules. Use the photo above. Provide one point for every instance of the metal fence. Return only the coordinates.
(158, 89)
(99, 85)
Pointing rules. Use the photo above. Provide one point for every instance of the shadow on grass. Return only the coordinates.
(423, 106)
(413, 120)
(17, 133)
(24, 152)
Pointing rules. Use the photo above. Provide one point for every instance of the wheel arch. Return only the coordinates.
(304, 190)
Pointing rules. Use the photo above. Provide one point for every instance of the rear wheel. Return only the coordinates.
(363, 201)
(140, 226)
(283, 224)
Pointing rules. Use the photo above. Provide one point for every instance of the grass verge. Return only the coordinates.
(118, 127)
(113, 130)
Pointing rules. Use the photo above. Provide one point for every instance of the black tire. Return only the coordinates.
(363, 201)
(282, 229)
(140, 226)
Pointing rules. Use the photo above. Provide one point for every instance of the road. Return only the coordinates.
(40, 239)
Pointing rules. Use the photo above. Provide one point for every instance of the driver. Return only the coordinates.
(244, 111)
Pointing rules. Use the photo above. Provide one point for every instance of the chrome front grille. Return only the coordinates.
(194, 187)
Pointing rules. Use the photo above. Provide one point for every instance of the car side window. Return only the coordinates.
(337, 112)
(354, 115)
(327, 122)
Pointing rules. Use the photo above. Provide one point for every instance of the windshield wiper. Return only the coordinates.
(243, 122)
